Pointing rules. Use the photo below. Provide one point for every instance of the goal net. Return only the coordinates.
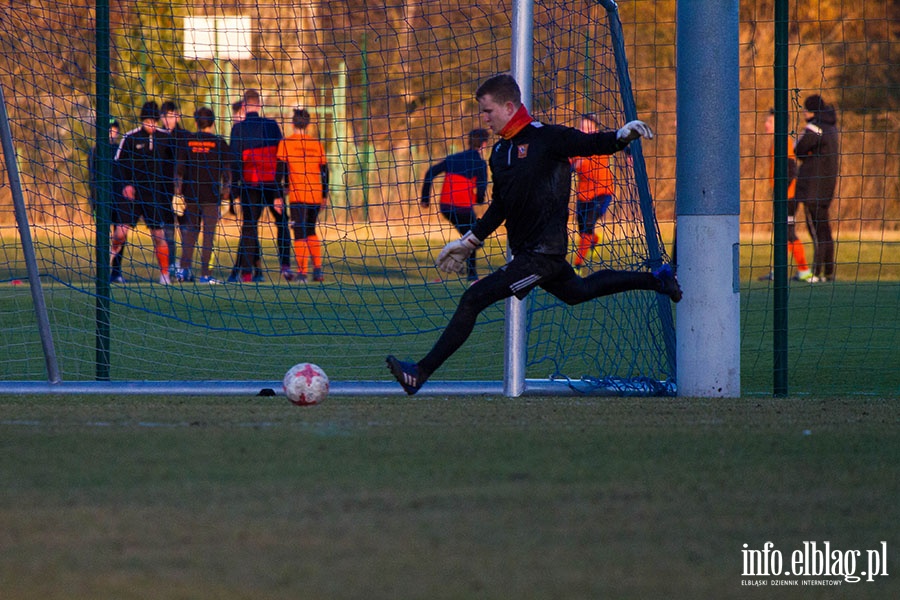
(390, 91)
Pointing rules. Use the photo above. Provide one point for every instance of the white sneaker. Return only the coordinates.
(164, 279)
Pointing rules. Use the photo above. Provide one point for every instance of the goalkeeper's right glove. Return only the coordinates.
(452, 258)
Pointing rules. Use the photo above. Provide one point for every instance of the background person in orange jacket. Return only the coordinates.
(465, 185)
(795, 246)
(302, 164)
(593, 192)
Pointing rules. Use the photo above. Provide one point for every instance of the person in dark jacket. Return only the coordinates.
(206, 176)
(532, 183)
(170, 118)
(94, 165)
(143, 157)
(254, 144)
(119, 208)
(465, 185)
(818, 151)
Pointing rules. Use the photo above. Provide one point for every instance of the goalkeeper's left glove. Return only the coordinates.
(633, 130)
(452, 258)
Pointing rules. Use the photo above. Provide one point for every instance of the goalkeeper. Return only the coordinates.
(531, 174)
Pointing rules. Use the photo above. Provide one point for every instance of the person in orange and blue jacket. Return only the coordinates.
(254, 142)
(594, 193)
(465, 185)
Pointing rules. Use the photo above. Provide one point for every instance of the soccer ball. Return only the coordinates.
(306, 384)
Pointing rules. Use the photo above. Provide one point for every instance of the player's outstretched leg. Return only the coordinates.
(668, 282)
(408, 374)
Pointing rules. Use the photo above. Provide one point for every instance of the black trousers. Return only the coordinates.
(819, 225)
(517, 278)
(254, 201)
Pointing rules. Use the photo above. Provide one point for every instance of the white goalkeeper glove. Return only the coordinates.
(633, 130)
(452, 258)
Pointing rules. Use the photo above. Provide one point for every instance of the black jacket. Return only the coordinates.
(206, 167)
(179, 141)
(94, 174)
(145, 162)
(532, 184)
(818, 151)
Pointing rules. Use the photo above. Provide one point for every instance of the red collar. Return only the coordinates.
(516, 124)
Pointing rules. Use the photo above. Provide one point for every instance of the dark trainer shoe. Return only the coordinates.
(668, 283)
(407, 374)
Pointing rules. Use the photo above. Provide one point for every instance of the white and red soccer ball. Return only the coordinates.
(306, 384)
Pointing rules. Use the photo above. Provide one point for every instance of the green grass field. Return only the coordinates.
(142, 497)
(470, 497)
(841, 338)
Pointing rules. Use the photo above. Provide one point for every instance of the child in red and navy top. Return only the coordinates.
(465, 185)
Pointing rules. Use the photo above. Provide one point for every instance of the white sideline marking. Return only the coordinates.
(147, 424)
(321, 429)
